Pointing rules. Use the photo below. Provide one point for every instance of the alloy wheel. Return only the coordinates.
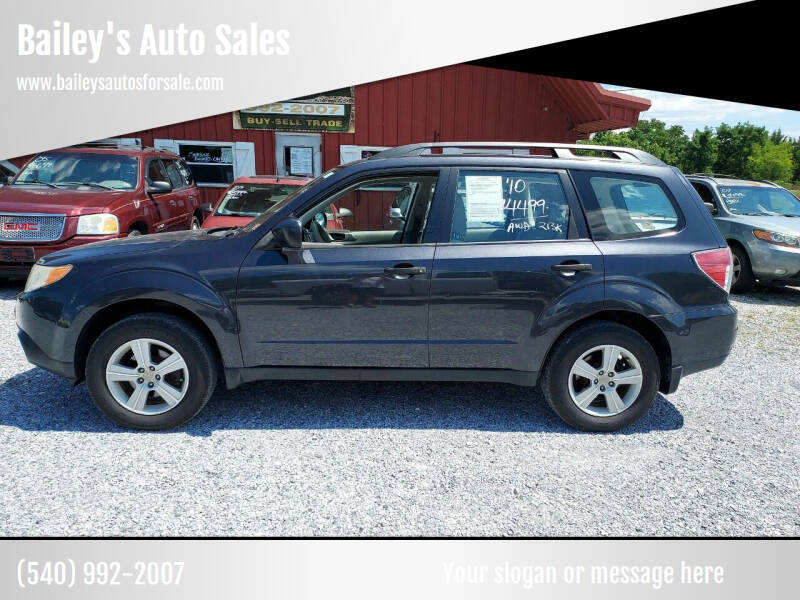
(147, 376)
(605, 380)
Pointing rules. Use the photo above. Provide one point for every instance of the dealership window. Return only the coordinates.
(212, 163)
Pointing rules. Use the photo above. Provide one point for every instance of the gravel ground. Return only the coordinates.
(720, 457)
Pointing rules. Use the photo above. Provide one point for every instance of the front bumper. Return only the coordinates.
(773, 263)
(19, 268)
(46, 343)
(40, 358)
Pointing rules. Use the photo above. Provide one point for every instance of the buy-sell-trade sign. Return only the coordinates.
(329, 111)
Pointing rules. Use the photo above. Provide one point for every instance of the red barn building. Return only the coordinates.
(457, 103)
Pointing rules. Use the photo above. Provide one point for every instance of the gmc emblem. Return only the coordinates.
(21, 226)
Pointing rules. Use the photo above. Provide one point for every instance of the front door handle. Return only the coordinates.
(172, 202)
(569, 269)
(400, 272)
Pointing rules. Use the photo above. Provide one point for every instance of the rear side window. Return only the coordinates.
(509, 206)
(186, 174)
(624, 206)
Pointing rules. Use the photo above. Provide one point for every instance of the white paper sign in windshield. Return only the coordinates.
(484, 198)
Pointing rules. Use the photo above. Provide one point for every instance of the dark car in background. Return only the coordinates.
(69, 197)
(600, 277)
(760, 220)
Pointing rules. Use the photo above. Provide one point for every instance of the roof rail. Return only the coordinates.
(556, 149)
(713, 175)
(118, 143)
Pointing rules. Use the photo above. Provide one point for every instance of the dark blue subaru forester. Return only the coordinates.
(595, 272)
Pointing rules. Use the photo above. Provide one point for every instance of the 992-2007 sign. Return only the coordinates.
(330, 111)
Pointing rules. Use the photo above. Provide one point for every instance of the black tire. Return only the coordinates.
(195, 223)
(746, 280)
(556, 375)
(183, 337)
(134, 233)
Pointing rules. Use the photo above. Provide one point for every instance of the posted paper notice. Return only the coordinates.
(484, 198)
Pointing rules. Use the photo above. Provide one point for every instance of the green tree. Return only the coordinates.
(771, 161)
(701, 152)
(796, 160)
(736, 143)
(651, 135)
(776, 137)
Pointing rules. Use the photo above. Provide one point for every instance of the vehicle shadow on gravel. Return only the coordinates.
(39, 401)
(784, 296)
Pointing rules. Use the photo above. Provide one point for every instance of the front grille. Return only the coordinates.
(21, 227)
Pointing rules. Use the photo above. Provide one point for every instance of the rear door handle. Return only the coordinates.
(571, 268)
(404, 271)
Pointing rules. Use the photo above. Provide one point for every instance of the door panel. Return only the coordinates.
(492, 303)
(335, 306)
(499, 291)
(179, 203)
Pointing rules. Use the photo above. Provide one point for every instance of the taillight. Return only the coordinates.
(717, 264)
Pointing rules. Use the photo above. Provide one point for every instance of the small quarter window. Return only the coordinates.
(509, 206)
(621, 207)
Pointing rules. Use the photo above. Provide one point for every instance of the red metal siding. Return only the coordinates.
(457, 103)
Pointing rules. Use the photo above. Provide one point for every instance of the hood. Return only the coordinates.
(225, 221)
(139, 245)
(778, 224)
(43, 199)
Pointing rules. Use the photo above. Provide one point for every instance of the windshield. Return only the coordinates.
(752, 200)
(251, 199)
(103, 171)
(276, 206)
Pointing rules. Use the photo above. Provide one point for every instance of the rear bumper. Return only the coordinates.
(700, 339)
(20, 268)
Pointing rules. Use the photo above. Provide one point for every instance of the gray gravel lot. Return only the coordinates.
(720, 457)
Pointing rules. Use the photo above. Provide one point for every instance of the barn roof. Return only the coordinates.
(594, 108)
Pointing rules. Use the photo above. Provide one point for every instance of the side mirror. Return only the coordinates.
(711, 208)
(159, 187)
(6, 179)
(207, 208)
(289, 233)
(344, 212)
(396, 213)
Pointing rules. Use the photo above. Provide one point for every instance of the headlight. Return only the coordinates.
(41, 276)
(100, 224)
(779, 239)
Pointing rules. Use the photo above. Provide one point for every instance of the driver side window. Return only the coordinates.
(385, 210)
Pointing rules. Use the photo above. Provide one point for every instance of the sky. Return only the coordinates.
(696, 113)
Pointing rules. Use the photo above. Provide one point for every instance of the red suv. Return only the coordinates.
(74, 196)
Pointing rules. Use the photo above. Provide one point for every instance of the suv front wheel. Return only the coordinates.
(151, 371)
(601, 376)
(743, 278)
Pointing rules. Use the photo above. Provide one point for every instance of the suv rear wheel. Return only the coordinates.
(601, 376)
(151, 371)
